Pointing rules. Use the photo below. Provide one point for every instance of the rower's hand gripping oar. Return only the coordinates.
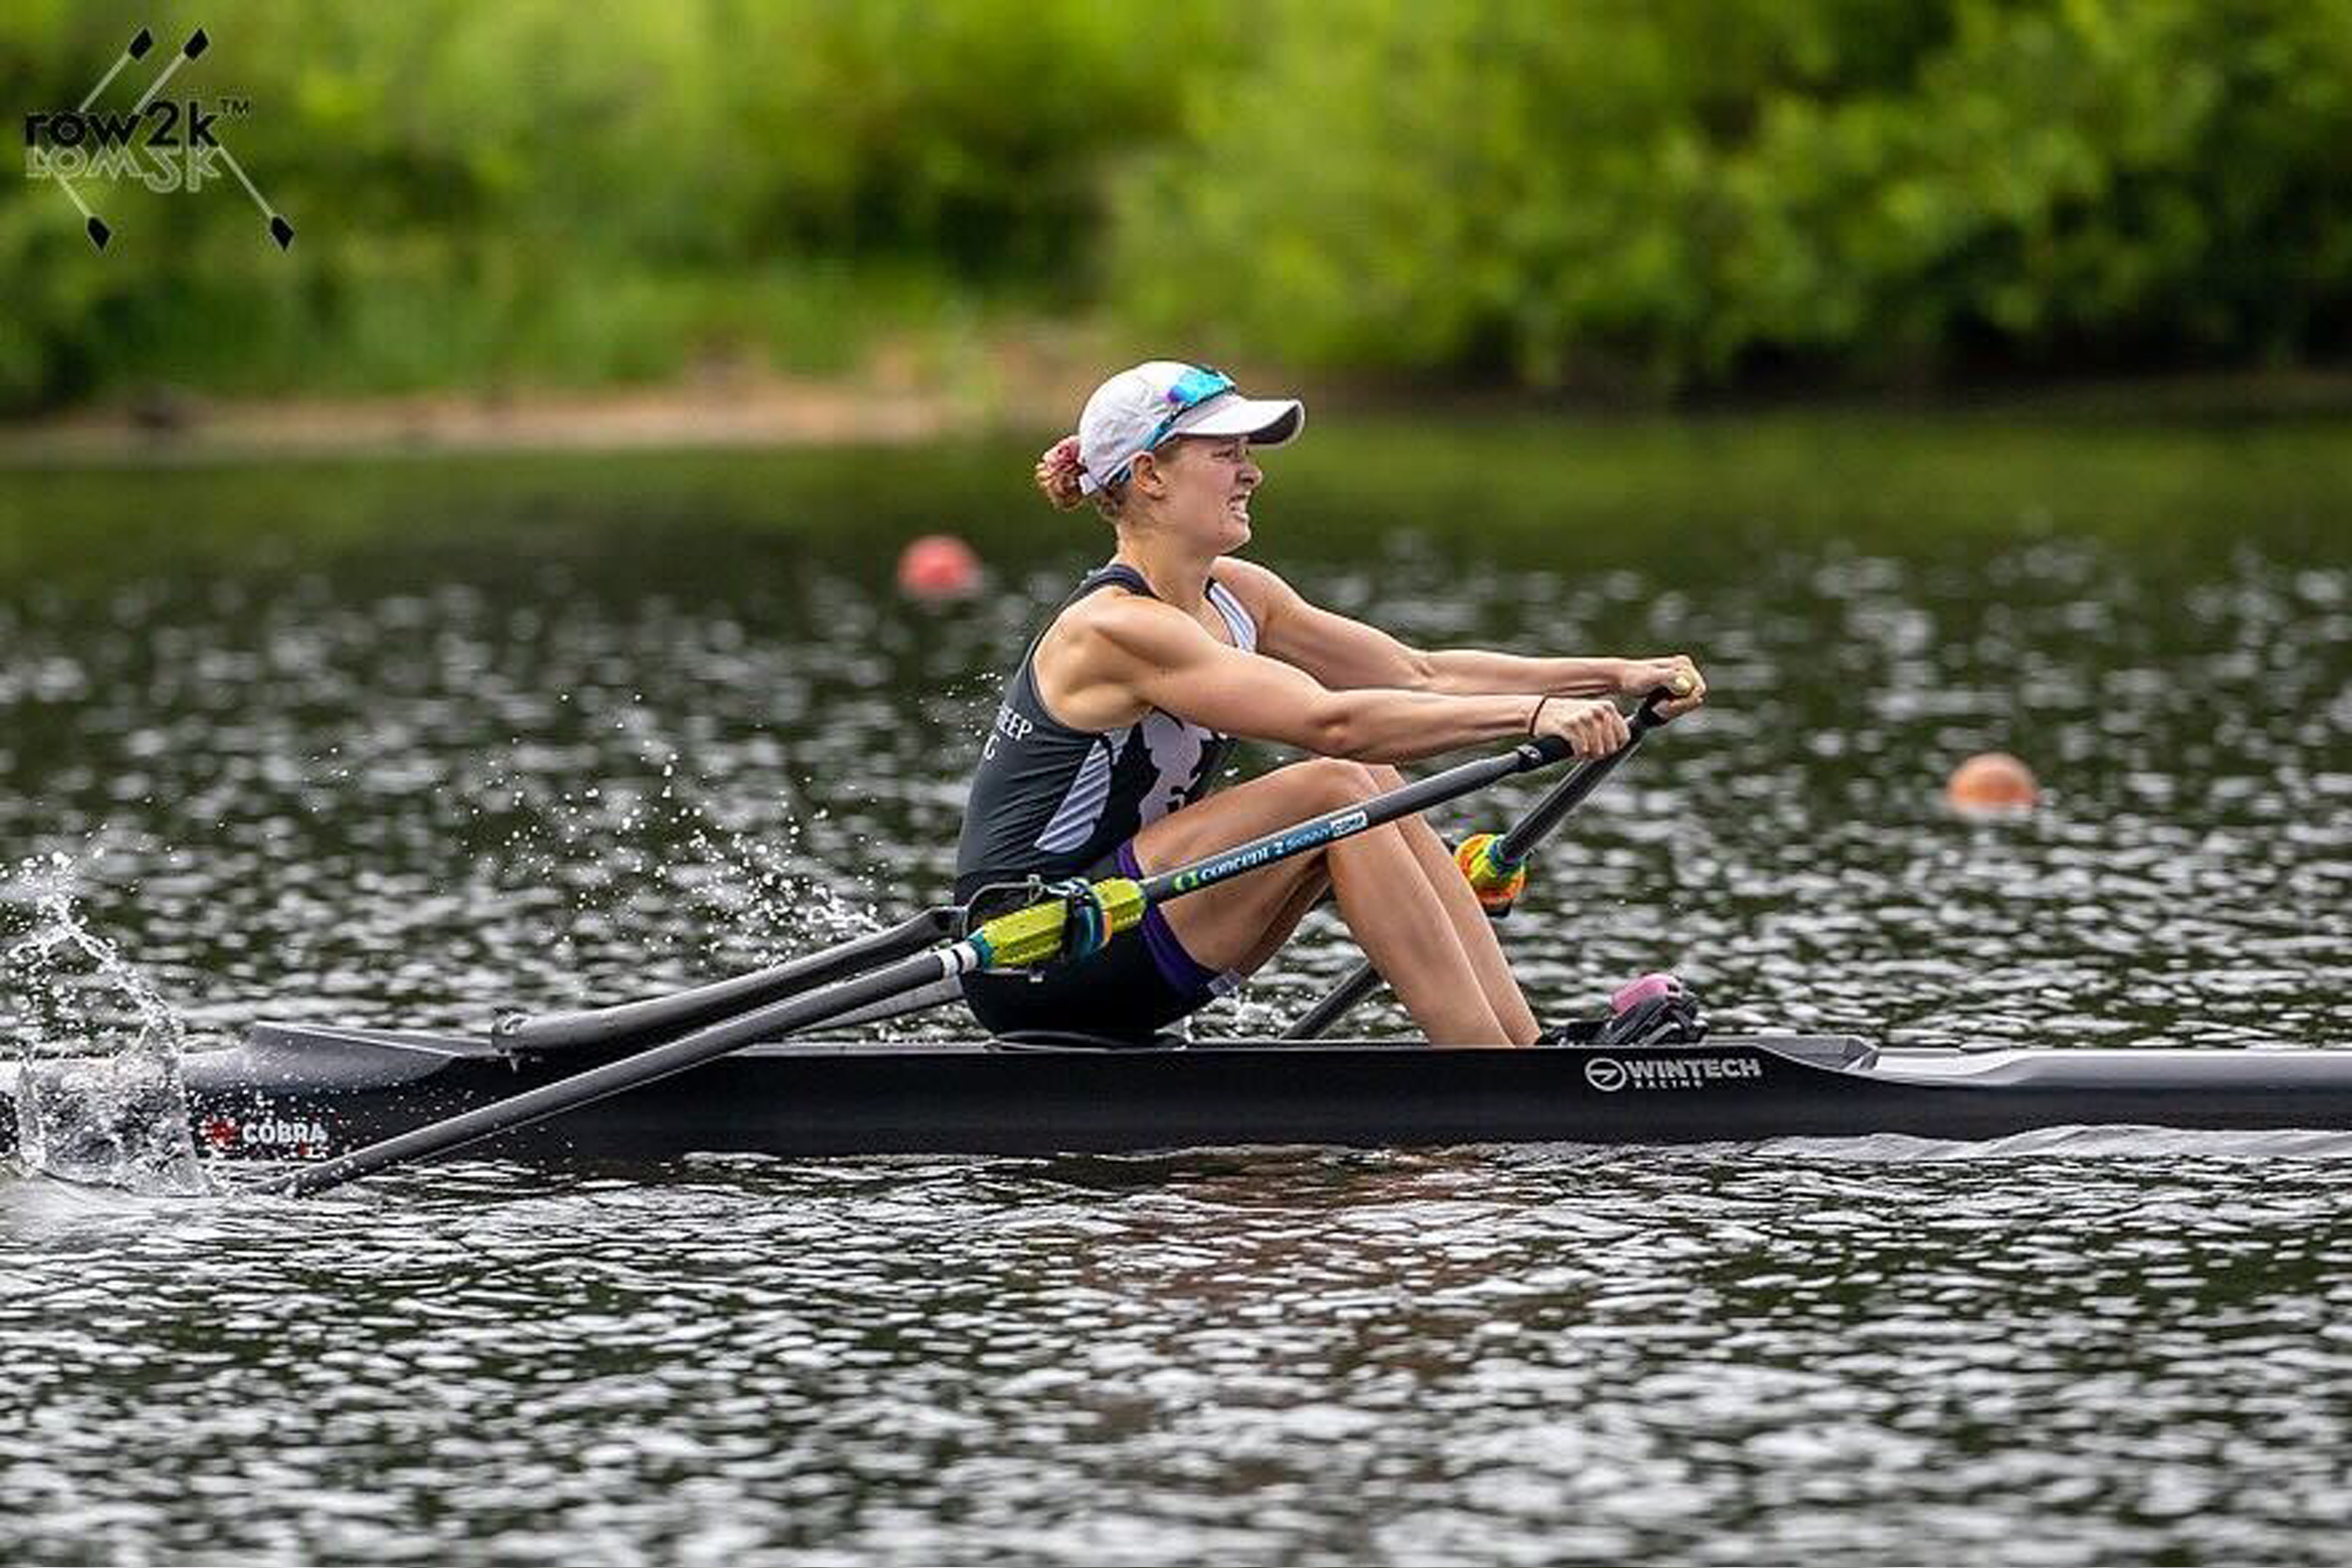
(1021, 939)
(1497, 867)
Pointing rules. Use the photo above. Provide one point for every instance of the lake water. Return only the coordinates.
(413, 741)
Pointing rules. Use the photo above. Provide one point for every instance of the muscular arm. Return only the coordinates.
(1114, 657)
(1348, 654)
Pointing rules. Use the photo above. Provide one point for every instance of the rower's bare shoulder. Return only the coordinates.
(1261, 590)
(1113, 626)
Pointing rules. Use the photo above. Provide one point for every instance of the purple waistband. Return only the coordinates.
(1183, 973)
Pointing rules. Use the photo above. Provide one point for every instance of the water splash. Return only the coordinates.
(95, 1082)
(645, 840)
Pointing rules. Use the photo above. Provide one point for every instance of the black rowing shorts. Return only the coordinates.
(1140, 983)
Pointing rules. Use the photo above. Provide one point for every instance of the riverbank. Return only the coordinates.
(1013, 384)
(901, 394)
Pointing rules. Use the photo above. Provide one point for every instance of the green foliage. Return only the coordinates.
(529, 190)
(1664, 193)
(1689, 193)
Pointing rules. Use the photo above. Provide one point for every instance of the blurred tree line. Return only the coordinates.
(1655, 196)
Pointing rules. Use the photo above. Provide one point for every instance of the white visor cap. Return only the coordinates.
(1135, 410)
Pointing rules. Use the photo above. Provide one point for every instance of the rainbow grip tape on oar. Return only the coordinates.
(1497, 883)
(1076, 919)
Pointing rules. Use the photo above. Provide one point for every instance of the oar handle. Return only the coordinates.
(1514, 847)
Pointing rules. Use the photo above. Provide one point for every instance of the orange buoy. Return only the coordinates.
(1991, 781)
(938, 566)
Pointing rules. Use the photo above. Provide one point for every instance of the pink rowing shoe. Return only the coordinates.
(1656, 1010)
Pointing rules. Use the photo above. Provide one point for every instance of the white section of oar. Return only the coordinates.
(938, 994)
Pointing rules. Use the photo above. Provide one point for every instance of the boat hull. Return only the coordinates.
(308, 1092)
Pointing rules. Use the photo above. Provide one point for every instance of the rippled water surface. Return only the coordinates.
(1481, 1355)
(399, 741)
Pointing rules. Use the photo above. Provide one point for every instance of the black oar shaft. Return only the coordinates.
(1361, 983)
(646, 1066)
(1419, 796)
(1515, 846)
(636, 1021)
(1570, 792)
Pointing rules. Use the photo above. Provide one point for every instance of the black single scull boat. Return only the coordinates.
(310, 1092)
(613, 1083)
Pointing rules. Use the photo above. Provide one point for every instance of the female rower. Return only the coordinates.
(1115, 726)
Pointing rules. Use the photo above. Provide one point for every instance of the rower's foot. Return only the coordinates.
(1656, 1010)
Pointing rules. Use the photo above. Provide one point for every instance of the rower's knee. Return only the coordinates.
(1329, 783)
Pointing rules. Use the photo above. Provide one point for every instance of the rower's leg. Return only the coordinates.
(1384, 894)
(1396, 917)
(1471, 927)
(1469, 918)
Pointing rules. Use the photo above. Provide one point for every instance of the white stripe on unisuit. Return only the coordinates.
(1082, 802)
(1237, 619)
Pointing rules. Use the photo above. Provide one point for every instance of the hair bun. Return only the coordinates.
(1059, 473)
